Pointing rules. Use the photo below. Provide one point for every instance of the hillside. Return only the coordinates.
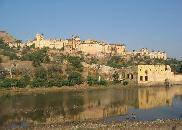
(7, 38)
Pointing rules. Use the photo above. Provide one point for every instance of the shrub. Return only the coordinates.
(38, 57)
(102, 82)
(41, 73)
(11, 55)
(40, 77)
(74, 78)
(115, 77)
(93, 81)
(115, 62)
(8, 83)
(38, 82)
(125, 83)
(76, 62)
(93, 60)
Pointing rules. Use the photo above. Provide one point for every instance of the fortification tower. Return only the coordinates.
(39, 37)
(75, 41)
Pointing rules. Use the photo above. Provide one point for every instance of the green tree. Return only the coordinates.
(75, 78)
(92, 80)
(38, 57)
(40, 77)
(115, 62)
(93, 60)
(115, 77)
(76, 62)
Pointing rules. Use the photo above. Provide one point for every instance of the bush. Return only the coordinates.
(125, 83)
(115, 77)
(38, 82)
(8, 83)
(93, 81)
(24, 81)
(93, 60)
(2, 73)
(115, 62)
(54, 82)
(7, 51)
(5, 83)
(11, 55)
(74, 78)
(76, 62)
(102, 82)
(20, 83)
(38, 57)
(40, 77)
(41, 73)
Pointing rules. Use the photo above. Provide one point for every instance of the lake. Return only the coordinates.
(116, 104)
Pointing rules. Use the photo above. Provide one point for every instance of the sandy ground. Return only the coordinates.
(99, 125)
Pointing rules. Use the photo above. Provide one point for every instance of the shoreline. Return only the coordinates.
(4, 91)
(166, 124)
(82, 87)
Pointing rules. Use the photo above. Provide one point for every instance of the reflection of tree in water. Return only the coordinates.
(75, 104)
(46, 106)
(39, 107)
(37, 115)
(5, 104)
(67, 106)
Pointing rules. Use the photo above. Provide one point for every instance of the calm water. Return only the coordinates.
(108, 105)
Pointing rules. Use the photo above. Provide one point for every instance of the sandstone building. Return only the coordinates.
(150, 75)
(90, 47)
(144, 52)
(93, 47)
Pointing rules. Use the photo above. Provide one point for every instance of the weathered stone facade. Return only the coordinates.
(93, 47)
(90, 47)
(151, 75)
(144, 52)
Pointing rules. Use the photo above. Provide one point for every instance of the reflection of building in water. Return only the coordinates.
(95, 104)
(153, 97)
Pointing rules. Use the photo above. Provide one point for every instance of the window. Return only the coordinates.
(146, 72)
(141, 78)
(146, 78)
(131, 76)
(128, 76)
(165, 68)
(123, 75)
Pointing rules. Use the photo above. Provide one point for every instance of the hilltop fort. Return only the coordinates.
(92, 47)
(75, 61)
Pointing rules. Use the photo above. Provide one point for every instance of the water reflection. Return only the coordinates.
(94, 104)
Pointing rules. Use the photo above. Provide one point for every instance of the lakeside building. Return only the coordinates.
(150, 75)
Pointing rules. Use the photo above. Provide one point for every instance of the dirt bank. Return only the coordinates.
(124, 125)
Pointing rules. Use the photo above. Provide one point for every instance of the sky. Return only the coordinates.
(153, 24)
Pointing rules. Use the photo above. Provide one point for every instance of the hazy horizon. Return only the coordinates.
(155, 24)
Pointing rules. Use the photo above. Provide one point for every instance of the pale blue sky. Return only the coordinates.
(154, 24)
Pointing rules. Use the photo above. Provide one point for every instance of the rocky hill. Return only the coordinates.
(7, 37)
